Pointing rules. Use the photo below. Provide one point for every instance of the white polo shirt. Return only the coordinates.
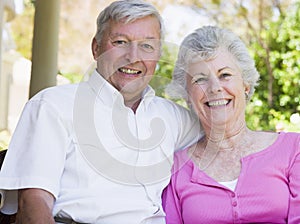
(102, 162)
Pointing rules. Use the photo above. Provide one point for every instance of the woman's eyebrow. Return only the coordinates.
(198, 74)
(223, 68)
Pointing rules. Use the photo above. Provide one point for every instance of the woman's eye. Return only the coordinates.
(225, 75)
(199, 80)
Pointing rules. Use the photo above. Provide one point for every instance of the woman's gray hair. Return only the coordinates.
(129, 11)
(203, 44)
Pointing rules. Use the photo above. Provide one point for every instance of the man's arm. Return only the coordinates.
(35, 206)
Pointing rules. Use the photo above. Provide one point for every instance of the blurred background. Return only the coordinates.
(270, 28)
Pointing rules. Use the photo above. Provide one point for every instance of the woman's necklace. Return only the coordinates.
(208, 149)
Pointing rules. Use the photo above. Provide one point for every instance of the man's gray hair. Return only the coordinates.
(203, 44)
(127, 11)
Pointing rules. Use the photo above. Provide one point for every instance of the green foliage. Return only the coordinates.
(72, 77)
(4, 139)
(283, 41)
(22, 27)
(274, 42)
(163, 73)
(280, 51)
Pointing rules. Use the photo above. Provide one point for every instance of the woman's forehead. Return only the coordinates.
(222, 59)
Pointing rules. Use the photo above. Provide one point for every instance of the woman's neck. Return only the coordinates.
(227, 138)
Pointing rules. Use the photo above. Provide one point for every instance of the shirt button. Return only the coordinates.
(235, 215)
(234, 204)
(233, 194)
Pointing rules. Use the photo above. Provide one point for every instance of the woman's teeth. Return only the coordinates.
(217, 103)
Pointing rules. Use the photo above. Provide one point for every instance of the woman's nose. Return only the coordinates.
(215, 85)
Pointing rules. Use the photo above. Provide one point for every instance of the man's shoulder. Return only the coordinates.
(180, 105)
(60, 92)
(61, 97)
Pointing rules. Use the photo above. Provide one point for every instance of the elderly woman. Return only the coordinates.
(233, 174)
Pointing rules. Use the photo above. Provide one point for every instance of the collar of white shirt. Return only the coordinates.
(108, 94)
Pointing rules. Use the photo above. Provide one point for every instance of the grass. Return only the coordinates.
(4, 139)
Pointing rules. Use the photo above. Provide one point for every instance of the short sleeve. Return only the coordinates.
(37, 151)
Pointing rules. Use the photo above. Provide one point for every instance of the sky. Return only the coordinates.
(181, 20)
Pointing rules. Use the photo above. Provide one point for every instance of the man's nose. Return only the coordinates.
(133, 54)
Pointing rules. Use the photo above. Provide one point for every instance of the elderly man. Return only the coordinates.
(100, 151)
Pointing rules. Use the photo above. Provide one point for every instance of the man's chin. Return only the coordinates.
(136, 88)
(135, 85)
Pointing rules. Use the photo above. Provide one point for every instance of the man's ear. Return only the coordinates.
(95, 48)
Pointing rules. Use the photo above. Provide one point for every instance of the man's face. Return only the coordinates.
(128, 53)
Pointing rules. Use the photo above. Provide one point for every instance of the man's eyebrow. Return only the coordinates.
(151, 38)
(113, 35)
(118, 35)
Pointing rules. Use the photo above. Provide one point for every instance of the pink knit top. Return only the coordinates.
(267, 191)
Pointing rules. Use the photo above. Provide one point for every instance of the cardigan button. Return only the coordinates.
(235, 215)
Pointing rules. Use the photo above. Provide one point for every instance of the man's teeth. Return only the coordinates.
(128, 71)
(217, 103)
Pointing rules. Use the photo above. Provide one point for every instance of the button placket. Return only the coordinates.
(235, 210)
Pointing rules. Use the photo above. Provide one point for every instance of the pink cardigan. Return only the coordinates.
(268, 189)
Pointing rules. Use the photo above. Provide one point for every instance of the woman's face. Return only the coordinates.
(216, 90)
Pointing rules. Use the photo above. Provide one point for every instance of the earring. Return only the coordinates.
(247, 95)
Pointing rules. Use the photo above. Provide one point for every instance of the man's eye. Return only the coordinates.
(120, 43)
(147, 47)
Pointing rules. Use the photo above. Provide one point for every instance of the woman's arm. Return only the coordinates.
(294, 185)
(171, 205)
(35, 206)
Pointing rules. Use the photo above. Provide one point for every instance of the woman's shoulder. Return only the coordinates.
(284, 144)
(276, 138)
(181, 154)
(295, 135)
(290, 138)
(181, 158)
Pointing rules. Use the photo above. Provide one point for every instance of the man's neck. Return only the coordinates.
(133, 104)
(132, 99)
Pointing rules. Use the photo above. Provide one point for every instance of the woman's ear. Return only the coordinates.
(247, 91)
